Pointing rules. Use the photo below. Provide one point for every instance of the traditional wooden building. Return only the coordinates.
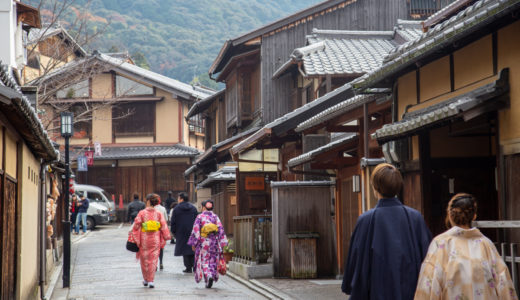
(49, 48)
(328, 137)
(135, 115)
(25, 150)
(455, 111)
(261, 86)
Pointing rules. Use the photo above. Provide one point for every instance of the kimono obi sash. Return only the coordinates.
(150, 226)
(208, 229)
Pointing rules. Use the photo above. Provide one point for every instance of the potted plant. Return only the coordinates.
(228, 253)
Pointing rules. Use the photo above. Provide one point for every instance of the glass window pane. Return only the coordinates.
(77, 90)
(127, 87)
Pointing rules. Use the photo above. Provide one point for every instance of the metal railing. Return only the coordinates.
(508, 251)
(253, 238)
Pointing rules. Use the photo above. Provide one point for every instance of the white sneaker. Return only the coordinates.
(151, 285)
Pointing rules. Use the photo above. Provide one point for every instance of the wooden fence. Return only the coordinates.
(253, 238)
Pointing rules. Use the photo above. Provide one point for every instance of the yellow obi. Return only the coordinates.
(150, 226)
(207, 229)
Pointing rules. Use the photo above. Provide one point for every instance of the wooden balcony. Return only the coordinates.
(253, 238)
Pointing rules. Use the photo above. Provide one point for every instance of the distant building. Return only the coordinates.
(136, 115)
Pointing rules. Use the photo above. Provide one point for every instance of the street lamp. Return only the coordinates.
(67, 129)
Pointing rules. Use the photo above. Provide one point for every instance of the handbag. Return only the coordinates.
(131, 244)
(222, 268)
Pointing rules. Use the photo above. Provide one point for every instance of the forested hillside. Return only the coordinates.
(179, 38)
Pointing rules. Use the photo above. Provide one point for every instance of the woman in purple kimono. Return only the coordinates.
(207, 240)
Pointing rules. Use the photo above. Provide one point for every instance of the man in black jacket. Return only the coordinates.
(134, 208)
(183, 217)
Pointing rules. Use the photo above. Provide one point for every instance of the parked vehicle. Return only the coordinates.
(100, 210)
(98, 195)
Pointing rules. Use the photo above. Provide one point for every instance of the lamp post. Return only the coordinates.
(66, 133)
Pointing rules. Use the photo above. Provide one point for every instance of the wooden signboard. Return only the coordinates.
(256, 183)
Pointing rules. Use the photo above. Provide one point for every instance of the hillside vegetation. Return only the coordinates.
(180, 38)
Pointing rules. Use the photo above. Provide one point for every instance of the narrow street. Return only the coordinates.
(101, 268)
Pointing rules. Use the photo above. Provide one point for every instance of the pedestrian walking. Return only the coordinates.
(169, 201)
(150, 232)
(462, 263)
(182, 220)
(207, 240)
(134, 208)
(162, 210)
(82, 214)
(388, 244)
(73, 211)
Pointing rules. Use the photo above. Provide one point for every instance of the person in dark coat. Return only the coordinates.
(134, 208)
(182, 220)
(388, 245)
(169, 201)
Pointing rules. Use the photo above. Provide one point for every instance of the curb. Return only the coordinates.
(264, 290)
(58, 270)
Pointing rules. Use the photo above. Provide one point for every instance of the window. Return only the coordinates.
(133, 119)
(76, 90)
(95, 197)
(128, 87)
(196, 124)
(82, 121)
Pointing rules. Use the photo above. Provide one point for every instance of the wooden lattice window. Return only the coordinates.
(134, 119)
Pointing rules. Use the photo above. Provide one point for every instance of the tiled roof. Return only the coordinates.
(226, 173)
(342, 52)
(415, 121)
(38, 139)
(136, 152)
(213, 149)
(408, 30)
(472, 19)
(131, 70)
(156, 77)
(203, 104)
(39, 34)
(335, 111)
(308, 156)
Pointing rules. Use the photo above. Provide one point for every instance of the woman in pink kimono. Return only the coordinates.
(151, 233)
(207, 240)
(462, 263)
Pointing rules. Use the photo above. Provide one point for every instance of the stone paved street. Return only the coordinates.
(103, 269)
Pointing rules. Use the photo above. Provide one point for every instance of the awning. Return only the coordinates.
(337, 110)
(202, 105)
(490, 97)
(347, 143)
(226, 173)
(219, 147)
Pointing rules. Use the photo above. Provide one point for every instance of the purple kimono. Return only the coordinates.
(208, 250)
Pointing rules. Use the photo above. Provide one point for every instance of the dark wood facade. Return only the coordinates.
(257, 201)
(140, 180)
(224, 195)
(299, 208)
(276, 47)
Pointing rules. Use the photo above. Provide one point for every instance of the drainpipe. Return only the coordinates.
(42, 236)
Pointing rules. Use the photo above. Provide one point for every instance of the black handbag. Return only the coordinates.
(131, 246)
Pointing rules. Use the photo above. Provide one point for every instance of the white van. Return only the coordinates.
(101, 210)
